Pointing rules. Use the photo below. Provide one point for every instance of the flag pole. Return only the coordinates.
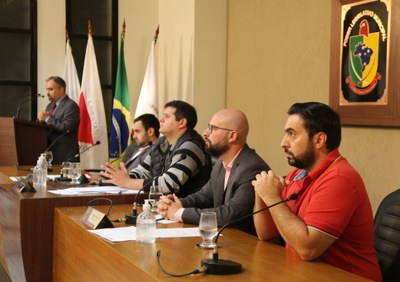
(156, 34)
(89, 27)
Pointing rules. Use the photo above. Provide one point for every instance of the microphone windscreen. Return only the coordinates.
(97, 142)
(294, 196)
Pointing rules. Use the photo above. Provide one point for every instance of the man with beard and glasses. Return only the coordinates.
(331, 220)
(228, 192)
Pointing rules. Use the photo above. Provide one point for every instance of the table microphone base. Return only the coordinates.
(131, 218)
(221, 266)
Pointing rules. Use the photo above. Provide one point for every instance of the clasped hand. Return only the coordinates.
(269, 187)
(168, 206)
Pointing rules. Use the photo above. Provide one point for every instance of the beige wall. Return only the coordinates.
(278, 54)
(190, 51)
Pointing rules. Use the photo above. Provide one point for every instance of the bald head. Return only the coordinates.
(233, 119)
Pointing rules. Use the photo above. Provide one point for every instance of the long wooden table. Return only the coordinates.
(82, 256)
(27, 221)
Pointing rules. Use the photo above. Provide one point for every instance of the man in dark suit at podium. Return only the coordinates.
(63, 114)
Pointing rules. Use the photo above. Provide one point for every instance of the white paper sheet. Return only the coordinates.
(93, 190)
(122, 234)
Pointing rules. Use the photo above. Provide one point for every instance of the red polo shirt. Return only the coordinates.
(332, 198)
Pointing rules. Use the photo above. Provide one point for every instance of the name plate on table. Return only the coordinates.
(95, 219)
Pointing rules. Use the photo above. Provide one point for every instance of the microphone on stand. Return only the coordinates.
(131, 218)
(222, 266)
(26, 101)
(181, 158)
(58, 138)
(62, 178)
(122, 155)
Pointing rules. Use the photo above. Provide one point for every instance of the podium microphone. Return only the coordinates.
(26, 101)
(222, 266)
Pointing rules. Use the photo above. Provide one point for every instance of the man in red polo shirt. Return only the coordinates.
(331, 220)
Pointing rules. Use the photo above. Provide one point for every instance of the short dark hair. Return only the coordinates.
(184, 110)
(59, 81)
(319, 117)
(149, 121)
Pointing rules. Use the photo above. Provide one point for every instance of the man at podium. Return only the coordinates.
(63, 114)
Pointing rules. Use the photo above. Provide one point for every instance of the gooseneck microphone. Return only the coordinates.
(122, 155)
(222, 266)
(58, 138)
(131, 218)
(181, 158)
(86, 149)
(26, 101)
(62, 178)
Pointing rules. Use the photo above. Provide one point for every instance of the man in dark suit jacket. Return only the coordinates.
(63, 114)
(229, 192)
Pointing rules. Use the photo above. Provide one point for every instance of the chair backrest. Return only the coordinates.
(387, 236)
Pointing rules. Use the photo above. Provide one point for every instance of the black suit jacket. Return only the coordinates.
(65, 117)
(238, 198)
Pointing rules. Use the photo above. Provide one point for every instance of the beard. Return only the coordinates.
(304, 160)
(216, 150)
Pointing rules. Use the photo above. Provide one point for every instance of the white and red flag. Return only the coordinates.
(93, 126)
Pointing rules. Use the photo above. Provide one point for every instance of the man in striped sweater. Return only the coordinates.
(178, 162)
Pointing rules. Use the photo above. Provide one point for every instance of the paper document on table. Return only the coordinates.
(162, 220)
(93, 190)
(122, 234)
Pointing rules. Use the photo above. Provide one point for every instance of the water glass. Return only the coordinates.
(49, 158)
(154, 196)
(65, 170)
(74, 172)
(208, 229)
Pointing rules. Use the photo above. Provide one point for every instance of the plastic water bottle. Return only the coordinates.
(40, 174)
(146, 225)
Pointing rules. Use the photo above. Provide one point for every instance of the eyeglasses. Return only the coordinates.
(211, 128)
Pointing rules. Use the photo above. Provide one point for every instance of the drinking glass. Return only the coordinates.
(154, 196)
(49, 158)
(65, 170)
(74, 172)
(208, 229)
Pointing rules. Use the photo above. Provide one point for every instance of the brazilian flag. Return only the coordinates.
(121, 117)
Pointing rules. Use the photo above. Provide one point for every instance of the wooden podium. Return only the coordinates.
(21, 141)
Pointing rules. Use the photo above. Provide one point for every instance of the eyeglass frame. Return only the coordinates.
(212, 127)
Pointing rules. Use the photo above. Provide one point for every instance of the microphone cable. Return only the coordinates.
(102, 199)
(215, 265)
(196, 271)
